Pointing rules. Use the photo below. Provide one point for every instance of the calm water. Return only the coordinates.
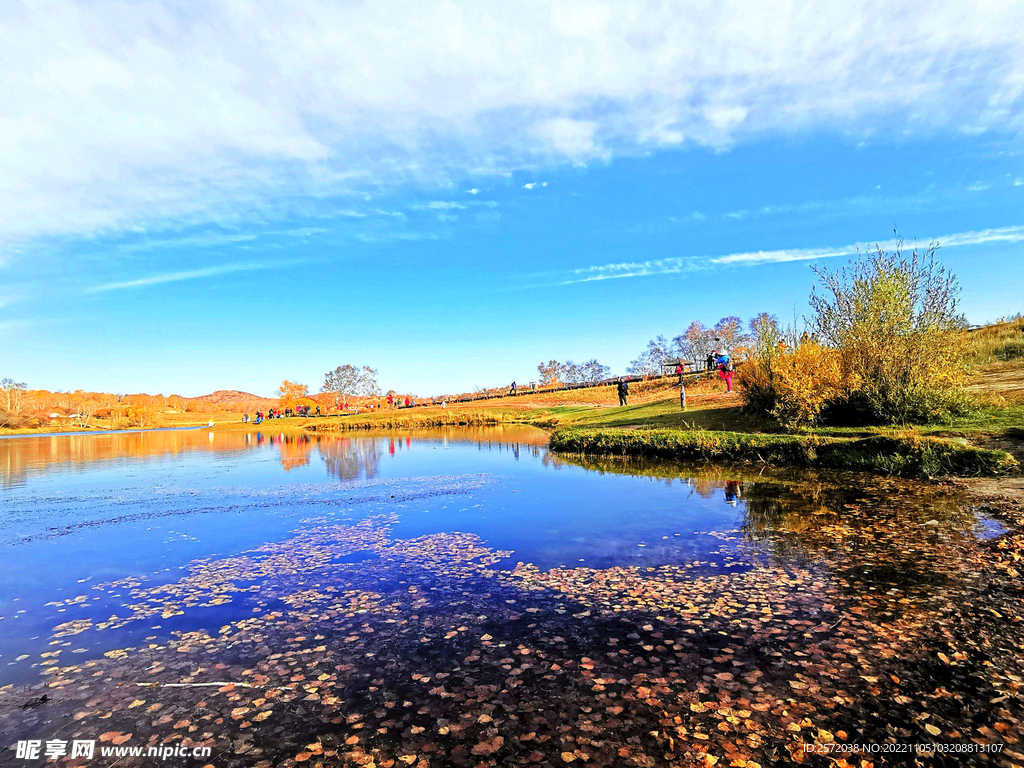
(89, 521)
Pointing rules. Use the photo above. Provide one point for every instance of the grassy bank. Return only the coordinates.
(904, 456)
(425, 418)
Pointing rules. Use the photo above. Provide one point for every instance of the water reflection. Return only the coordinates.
(346, 456)
(873, 533)
(348, 459)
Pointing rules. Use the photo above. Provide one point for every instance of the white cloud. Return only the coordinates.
(1018, 182)
(141, 115)
(632, 269)
(174, 277)
(572, 138)
(473, 191)
(674, 265)
(530, 185)
(442, 205)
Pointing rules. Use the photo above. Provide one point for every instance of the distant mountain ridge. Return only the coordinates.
(235, 397)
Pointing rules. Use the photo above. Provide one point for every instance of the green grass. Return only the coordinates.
(904, 456)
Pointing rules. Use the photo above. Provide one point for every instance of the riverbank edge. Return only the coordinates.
(913, 457)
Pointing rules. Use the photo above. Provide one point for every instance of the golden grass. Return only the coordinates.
(996, 343)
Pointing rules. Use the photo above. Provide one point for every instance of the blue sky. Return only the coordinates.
(189, 203)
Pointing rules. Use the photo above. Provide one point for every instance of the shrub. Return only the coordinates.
(892, 348)
(893, 317)
(794, 386)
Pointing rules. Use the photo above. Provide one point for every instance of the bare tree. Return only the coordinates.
(85, 410)
(593, 371)
(550, 372)
(572, 373)
(729, 332)
(696, 342)
(650, 360)
(12, 395)
(347, 381)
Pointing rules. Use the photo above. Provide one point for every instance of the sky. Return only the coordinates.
(219, 196)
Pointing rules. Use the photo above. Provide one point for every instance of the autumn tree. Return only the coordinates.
(290, 393)
(347, 381)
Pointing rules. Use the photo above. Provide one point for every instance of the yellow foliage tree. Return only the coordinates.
(291, 394)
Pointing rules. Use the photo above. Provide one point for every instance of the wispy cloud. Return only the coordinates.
(632, 269)
(442, 205)
(91, 147)
(193, 274)
(213, 240)
(675, 265)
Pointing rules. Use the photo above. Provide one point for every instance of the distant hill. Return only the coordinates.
(233, 399)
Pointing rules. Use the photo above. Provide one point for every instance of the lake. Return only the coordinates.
(450, 596)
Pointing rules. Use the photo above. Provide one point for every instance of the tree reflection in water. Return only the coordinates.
(350, 459)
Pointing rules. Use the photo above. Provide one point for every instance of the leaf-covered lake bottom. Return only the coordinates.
(472, 600)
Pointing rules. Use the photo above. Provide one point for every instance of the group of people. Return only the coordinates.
(260, 416)
(396, 402)
(302, 410)
(277, 413)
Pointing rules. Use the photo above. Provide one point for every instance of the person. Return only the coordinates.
(710, 362)
(623, 388)
(391, 402)
(318, 411)
(245, 418)
(679, 373)
(804, 338)
(512, 391)
(725, 369)
(407, 401)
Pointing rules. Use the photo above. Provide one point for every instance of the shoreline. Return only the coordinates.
(715, 428)
(918, 457)
(78, 432)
